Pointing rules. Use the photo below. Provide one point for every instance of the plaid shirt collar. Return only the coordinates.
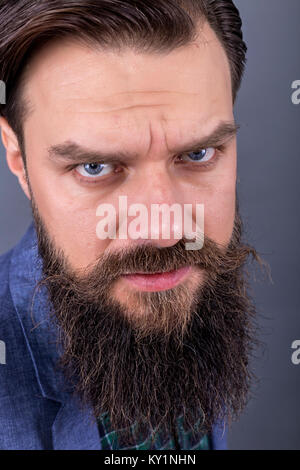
(187, 440)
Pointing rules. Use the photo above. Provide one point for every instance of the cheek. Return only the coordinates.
(219, 200)
(70, 221)
(219, 218)
(220, 210)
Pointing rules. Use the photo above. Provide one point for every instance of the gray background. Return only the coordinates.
(268, 188)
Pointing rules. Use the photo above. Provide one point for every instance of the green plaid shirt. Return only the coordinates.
(112, 439)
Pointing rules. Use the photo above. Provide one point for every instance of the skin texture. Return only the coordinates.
(149, 106)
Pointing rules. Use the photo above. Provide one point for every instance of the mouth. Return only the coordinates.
(151, 282)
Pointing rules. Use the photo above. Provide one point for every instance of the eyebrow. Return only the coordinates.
(73, 153)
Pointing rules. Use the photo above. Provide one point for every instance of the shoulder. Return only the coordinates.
(22, 405)
(11, 332)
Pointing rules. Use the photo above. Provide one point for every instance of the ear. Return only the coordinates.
(13, 155)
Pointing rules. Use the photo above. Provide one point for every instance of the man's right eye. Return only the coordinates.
(94, 170)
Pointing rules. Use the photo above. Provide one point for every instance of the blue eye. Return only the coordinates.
(202, 156)
(93, 170)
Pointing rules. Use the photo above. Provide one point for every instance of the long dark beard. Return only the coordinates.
(190, 361)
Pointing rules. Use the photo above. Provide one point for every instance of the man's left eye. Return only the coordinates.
(203, 155)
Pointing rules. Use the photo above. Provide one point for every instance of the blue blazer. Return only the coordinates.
(37, 410)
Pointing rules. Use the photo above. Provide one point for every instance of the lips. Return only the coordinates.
(157, 281)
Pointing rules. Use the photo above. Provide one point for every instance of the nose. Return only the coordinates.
(155, 210)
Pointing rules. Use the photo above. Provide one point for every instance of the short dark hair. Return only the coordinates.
(145, 25)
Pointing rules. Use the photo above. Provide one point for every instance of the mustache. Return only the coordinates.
(93, 284)
(213, 257)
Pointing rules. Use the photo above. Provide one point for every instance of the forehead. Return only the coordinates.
(94, 91)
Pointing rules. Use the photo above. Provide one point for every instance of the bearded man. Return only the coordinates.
(123, 342)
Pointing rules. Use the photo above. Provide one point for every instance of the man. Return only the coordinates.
(135, 341)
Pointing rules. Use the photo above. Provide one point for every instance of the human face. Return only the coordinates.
(150, 108)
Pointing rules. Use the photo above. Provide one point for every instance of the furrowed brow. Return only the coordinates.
(73, 153)
(221, 134)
